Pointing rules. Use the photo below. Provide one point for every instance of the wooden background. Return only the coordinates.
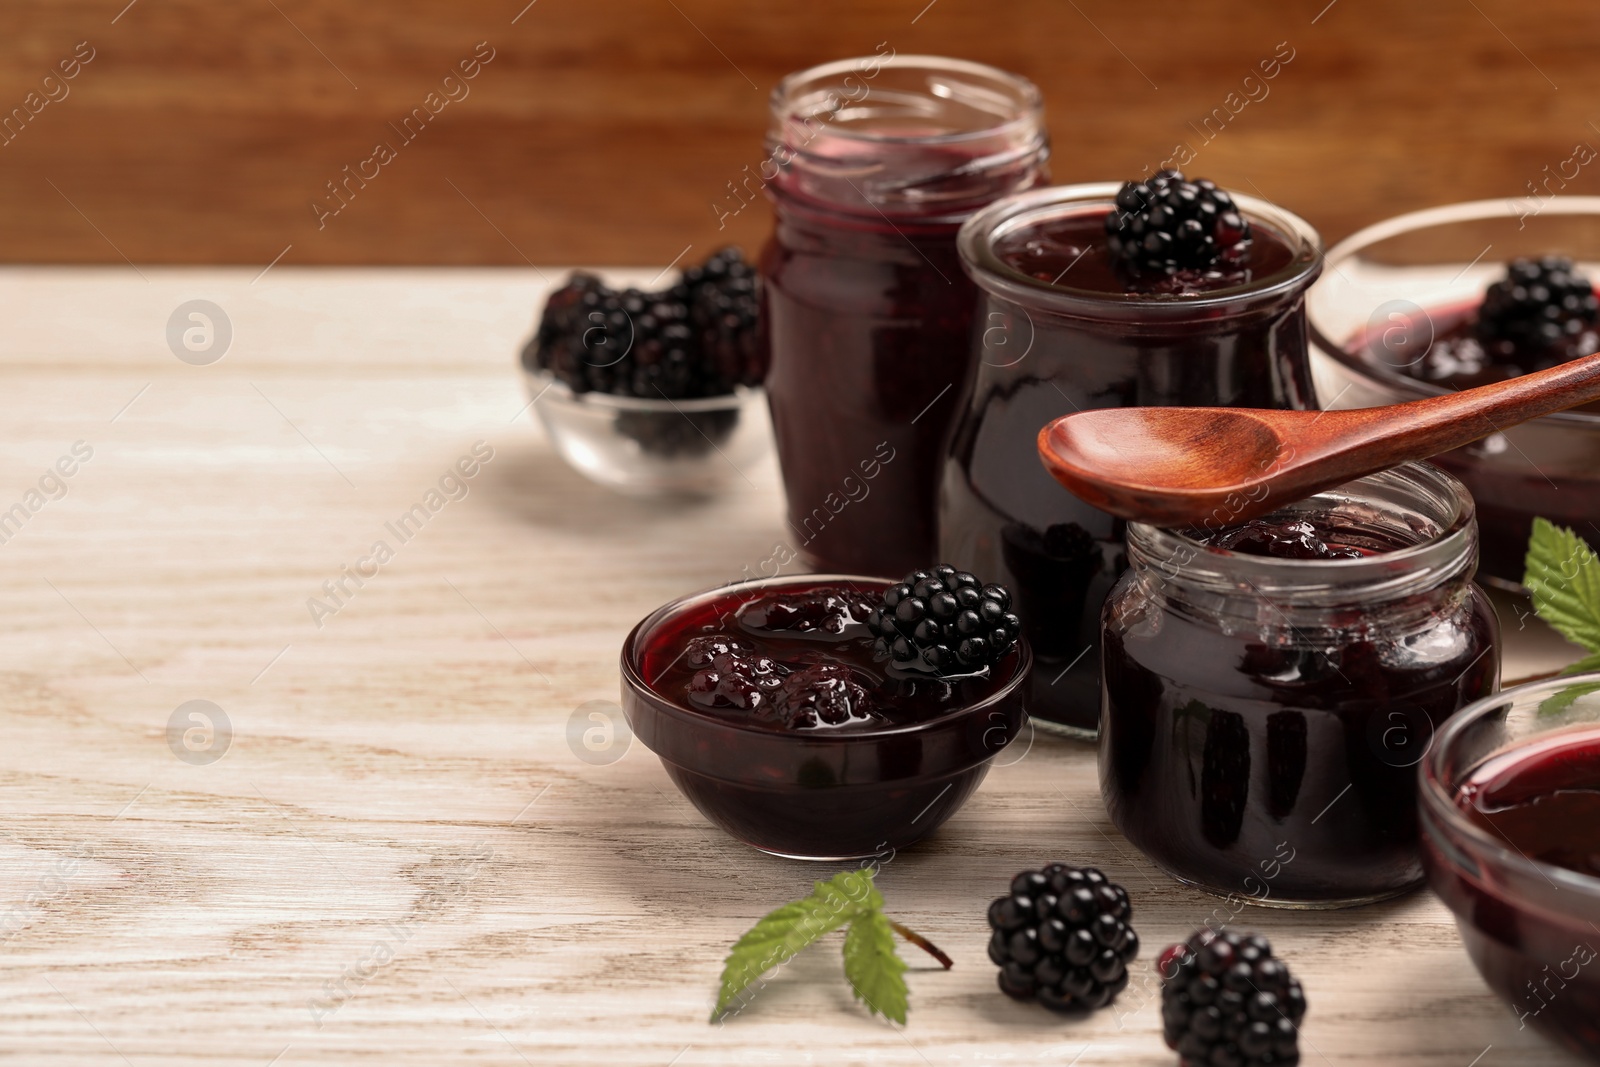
(604, 132)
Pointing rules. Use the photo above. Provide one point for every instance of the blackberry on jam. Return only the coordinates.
(946, 621)
(1062, 937)
(1537, 305)
(1226, 1000)
(1169, 224)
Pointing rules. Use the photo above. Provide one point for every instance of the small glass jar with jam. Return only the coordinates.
(1063, 326)
(1269, 687)
(874, 165)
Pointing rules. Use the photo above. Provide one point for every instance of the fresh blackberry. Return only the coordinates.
(696, 338)
(1227, 1002)
(724, 311)
(946, 621)
(1062, 937)
(1168, 224)
(1537, 305)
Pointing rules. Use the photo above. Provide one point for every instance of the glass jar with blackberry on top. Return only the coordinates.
(1154, 293)
(1269, 688)
(875, 164)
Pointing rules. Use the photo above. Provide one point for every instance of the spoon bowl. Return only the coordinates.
(1175, 466)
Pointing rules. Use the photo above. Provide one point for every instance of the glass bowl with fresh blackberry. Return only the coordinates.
(1226, 999)
(653, 391)
(1541, 313)
(1063, 937)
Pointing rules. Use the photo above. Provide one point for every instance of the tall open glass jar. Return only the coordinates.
(1264, 717)
(1043, 349)
(878, 162)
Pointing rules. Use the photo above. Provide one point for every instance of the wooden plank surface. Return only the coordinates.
(204, 131)
(399, 856)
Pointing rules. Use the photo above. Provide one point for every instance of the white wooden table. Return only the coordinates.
(399, 857)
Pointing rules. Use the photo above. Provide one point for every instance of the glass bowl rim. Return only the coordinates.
(1427, 218)
(546, 384)
(633, 679)
(1440, 804)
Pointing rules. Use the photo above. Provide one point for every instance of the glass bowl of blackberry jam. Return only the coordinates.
(1061, 329)
(771, 713)
(1269, 688)
(873, 166)
(1511, 831)
(1408, 309)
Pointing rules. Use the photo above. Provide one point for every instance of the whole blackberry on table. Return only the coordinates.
(944, 620)
(1169, 224)
(1227, 1002)
(1537, 305)
(1062, 937)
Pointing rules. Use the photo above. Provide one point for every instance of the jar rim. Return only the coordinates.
(980, 233)
(1029, 101)
(1448, 552)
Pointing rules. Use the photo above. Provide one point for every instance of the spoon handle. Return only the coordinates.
(1439, 423)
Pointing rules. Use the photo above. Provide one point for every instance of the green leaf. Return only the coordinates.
(873, 967)
(1585, 665)
(783, 933)
(1559, 702)
(1565, 581)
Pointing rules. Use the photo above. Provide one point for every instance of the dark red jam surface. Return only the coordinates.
(1070, 251)
(1543, 800)
(1291, 538)
(801, 659)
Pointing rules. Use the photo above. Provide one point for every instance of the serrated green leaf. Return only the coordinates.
(1564, 577)
(874, 969)
(1586, 665)
(788, 930)
(1556, 703)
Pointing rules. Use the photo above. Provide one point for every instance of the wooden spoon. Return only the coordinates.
(1180, 466)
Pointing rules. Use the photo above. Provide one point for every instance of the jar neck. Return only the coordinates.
(1418, 507)
(919, 140)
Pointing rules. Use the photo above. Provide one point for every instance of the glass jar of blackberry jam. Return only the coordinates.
(1061, 329)
(1270, 688)
(874, 165)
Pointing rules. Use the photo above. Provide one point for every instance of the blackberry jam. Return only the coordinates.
(1061, 329)
(875, 164)
(773, 715)
(1265, 706)
(1511, 819)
